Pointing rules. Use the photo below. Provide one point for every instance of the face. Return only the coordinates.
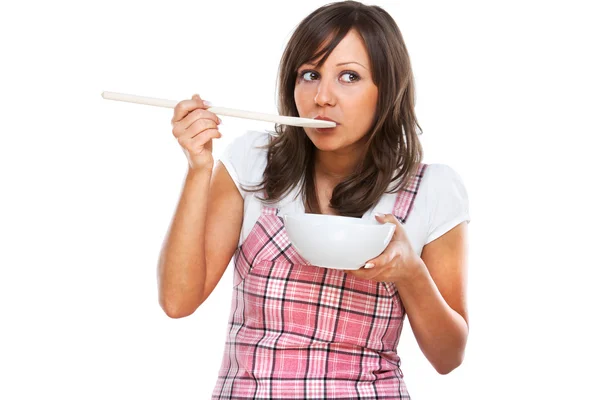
(341, 90)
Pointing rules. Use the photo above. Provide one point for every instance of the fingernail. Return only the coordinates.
(219, 120)
(380, 215)
(369, 265)
(207, 103)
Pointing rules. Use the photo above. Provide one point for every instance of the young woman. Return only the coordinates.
(299, 331)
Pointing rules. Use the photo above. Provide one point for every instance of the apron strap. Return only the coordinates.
(406, 197)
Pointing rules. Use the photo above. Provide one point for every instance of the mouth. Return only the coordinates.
(323, 118)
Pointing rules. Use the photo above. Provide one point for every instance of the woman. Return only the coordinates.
(298, 330)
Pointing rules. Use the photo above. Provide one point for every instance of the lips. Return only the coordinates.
(323, 118)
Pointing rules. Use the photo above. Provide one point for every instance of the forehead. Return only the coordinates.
(350, 48)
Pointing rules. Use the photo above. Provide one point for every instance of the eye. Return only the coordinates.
(350, 77)
(309, 75)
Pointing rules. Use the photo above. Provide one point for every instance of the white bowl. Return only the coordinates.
(337, 242)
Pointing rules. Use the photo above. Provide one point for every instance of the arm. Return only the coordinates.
(434, 297)
(200, 242)
(432, 288)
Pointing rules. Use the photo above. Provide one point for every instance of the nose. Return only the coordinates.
(325, 94)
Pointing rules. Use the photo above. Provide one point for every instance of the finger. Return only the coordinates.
(200, 140)
(200, 126)
(184, 107)
(383, 218)
(363, 273)
(197, 114)
(195, 130)
(203, 140)
(383, 259)
(205, 136)
(185, 126)
(399, 232)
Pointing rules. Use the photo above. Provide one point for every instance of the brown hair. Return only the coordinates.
(393, 150)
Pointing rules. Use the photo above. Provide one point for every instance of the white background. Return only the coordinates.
(507, 94)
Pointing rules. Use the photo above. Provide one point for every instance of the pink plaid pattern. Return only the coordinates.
(298, 331)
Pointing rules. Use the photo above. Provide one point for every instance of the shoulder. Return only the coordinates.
(245, 157)
(250, 140)
(440, 183)
(445, 199)
(440, 176)
(431, 178)
(246, 147)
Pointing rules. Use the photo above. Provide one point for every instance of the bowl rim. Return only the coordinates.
(339, 220)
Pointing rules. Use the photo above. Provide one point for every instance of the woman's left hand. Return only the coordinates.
(396, 263)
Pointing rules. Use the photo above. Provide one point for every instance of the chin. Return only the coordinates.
(334, 141)
(325, 143)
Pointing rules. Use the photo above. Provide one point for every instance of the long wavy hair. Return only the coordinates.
(392, 152)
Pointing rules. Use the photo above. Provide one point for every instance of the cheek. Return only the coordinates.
(299, 98)
(364, 110)
(370, 99)
(369, 105)
(361, 112)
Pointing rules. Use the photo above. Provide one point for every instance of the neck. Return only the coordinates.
(334, 167)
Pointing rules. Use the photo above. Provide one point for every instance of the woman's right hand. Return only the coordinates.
(195, 127)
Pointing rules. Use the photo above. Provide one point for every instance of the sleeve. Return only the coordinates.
(245, 160)
(447, 201)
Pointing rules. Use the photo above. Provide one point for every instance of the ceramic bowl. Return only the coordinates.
(337, 242)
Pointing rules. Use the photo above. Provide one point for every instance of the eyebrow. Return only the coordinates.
(344, 63)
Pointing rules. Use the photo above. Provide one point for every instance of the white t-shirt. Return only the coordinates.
(441, 202)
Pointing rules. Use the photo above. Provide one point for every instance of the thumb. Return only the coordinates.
(383, 218)
(391, 218)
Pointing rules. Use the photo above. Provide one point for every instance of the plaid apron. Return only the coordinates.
(298, 331)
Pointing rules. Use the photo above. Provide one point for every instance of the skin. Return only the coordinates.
(432, 285)
(432, 288)
(343, 90)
